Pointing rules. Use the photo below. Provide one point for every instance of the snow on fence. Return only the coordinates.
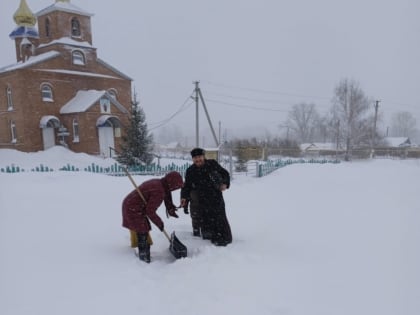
(265, 168)
(260, 168)
(115, 169)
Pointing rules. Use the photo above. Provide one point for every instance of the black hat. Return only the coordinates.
(197, 151)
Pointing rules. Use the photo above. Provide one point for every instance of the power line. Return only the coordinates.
(389, 105)
(265, 91)
(248, 98)
(181, 109)
(247, 106)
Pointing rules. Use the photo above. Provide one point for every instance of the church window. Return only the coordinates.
(78, 58)
(105, 105)
(13, 131)
(9, 98)
(46, 92)
(75, 27)
(75, 130)
(47, 28)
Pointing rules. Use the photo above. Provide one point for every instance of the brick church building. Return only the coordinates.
(59, 92)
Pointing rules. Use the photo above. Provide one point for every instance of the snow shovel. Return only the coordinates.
(177, 249)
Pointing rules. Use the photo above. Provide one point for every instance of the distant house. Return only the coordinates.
(397, 142)
(59, 91)
(318, 148)
(395, 147)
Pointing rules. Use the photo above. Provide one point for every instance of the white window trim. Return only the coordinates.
(78, 58)
(9, 98)
(13, 131)
(46, 98)
(105, 105)
(76, 136)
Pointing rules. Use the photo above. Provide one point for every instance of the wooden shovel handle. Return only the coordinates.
(142, 197)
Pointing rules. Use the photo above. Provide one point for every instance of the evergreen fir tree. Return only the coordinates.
(137, 142)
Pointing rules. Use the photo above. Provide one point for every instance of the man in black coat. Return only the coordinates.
(205, 180)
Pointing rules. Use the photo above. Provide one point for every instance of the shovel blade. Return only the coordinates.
(177, 249)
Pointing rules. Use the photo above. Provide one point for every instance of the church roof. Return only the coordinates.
(85, 99)
(67, 41)
(24, 16)
(25, 21)
(24, 31)
(64, 6)
(81, 73)
(31, 61)
(107, 65)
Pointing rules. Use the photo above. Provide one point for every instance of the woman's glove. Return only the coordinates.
(171, 212)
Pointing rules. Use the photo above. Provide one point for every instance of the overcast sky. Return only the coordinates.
(254, 59)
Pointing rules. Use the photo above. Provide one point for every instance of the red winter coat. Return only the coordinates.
(136, 213)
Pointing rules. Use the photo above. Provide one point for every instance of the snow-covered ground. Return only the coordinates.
(321, 239)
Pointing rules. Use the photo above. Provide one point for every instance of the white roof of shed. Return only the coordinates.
(85, 99)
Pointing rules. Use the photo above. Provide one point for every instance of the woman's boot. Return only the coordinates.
(144, 247)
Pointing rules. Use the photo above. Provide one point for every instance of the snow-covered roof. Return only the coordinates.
(63, 6)
(67, 41)
(317, 146)
(171, 145)
(24, 31)
(107, 65)
(85, 99)
(31, 61)
(397, 141)
(86, 74)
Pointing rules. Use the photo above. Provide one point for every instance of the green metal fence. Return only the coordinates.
(263, 168)
(115, 169)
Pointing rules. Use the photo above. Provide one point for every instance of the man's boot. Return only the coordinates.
(196, 231)
(218, 240)
(206, 234)
(144, 247)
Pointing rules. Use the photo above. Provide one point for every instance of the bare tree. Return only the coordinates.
(403, 124)
(302, 121)
(322, 133)
(350, 113)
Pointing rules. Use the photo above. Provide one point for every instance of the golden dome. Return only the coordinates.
(23, 15)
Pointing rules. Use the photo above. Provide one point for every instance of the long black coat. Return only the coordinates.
(206, 181)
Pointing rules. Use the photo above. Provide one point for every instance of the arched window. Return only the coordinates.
(47, 27)
(13, 131)
(75, 27)
(9, 98)
(75, 130)
(46, 92)
(78, 58)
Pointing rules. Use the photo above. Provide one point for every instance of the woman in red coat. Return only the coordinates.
(136, 212)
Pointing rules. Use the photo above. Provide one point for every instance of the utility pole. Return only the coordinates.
(198, 96)
(376, 118)
(373, 136)
(337, 139)
(196, 114)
